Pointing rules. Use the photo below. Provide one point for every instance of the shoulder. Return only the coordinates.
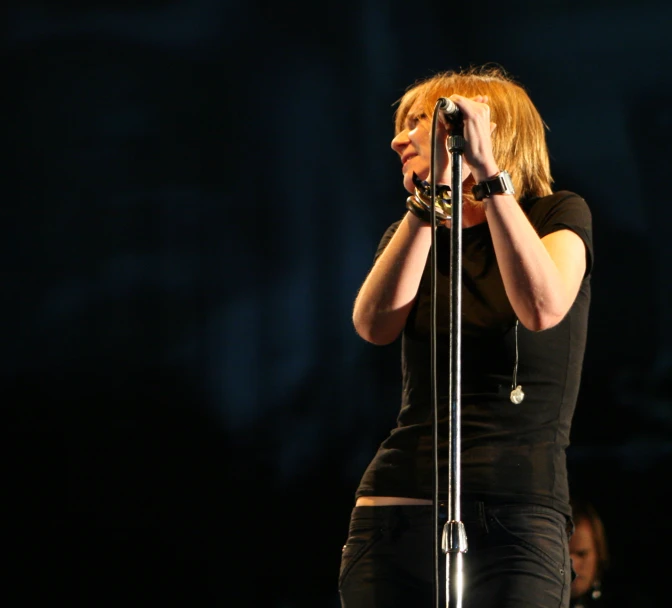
(562, 209)
(387, 236)
(563, 199)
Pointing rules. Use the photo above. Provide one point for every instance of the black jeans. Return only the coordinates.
(517, 556)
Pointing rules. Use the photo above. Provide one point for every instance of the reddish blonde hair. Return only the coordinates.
(518, 141)
(582, 510)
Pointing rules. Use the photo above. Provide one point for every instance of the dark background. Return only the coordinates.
(195, 190)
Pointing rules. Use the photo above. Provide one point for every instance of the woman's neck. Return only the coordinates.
(473, 213)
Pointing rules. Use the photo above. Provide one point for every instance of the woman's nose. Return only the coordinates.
(400, 141)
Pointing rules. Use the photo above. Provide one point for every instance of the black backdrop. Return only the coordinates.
(195, 190)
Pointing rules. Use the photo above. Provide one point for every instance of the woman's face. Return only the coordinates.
(412, 144)
(583, 551)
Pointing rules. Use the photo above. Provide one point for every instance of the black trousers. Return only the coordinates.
(517, 556)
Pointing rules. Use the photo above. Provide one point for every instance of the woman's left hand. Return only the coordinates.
(477, 133)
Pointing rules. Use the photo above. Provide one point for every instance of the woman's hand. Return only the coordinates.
(477, 133)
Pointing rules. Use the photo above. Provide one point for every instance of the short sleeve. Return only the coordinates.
(387, 237)
(564, 210)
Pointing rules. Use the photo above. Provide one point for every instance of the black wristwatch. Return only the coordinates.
(500, 184)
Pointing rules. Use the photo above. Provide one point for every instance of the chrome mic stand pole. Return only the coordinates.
(454, 540)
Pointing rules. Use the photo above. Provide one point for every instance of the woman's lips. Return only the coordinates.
(405, 159)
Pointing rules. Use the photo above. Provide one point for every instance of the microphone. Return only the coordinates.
(451, 113)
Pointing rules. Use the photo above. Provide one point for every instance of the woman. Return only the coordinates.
(527, 258)
(589, 554)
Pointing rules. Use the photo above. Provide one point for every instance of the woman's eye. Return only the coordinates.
(414, 120)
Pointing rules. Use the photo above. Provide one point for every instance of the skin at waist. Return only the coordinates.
(385, 501)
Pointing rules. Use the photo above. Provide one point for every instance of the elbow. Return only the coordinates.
(541, 319)
(374, 339)
(373, 333)
(541, 324)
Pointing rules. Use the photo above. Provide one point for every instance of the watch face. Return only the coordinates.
(506, 183)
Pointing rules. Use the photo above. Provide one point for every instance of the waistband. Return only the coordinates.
(468, 508)
(469, 511)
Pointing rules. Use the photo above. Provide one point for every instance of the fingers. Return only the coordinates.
(472, 106)
(477, 130)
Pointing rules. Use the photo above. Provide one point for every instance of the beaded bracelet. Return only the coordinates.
(422, 210)
(419, 203)
(423, 190)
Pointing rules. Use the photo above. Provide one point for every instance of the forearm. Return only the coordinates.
(389, 291)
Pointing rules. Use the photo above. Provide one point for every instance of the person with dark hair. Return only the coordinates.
(589, 553)
(527, 257)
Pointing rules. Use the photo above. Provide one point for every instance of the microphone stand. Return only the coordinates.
(454, 539)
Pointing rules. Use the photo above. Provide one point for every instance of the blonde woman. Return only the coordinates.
(526, 267)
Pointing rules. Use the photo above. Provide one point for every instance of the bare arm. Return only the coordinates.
(541, 276)
(389, 291)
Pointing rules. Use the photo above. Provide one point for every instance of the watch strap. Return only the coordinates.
(500, 184)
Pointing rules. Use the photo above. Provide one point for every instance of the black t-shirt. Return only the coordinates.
(509, 452)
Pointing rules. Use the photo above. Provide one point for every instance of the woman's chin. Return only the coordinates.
(408, 182)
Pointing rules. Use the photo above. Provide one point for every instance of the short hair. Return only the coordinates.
(519, 140)
(583, 510)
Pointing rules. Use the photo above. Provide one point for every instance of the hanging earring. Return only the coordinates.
(596, 593)
(517, 395)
